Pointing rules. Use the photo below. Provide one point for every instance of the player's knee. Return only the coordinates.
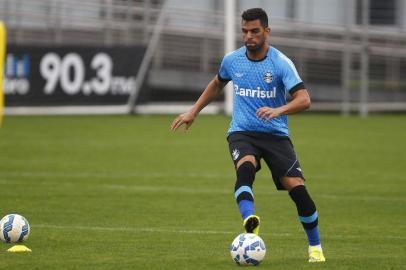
(245, 179)
(290, 183)
(249, 158)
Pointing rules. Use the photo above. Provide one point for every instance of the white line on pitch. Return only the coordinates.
(172, 189)
(115, 174)
(141, 230)
(157, 230)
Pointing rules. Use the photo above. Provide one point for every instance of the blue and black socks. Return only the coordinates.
(243, 189)
(307, 212)
(306, 208)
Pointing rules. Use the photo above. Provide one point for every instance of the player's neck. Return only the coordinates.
(258, 55)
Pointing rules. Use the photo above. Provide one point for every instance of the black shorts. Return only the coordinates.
(277, 151)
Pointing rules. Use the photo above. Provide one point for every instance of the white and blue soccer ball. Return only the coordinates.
(248, 249)
(14, 228)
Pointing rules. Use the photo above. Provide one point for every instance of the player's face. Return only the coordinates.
(254, 34)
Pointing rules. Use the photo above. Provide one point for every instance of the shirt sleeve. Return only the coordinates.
(290, 76)
(223, 74)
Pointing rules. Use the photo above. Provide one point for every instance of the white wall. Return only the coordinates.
(402, 14)
(310, 11)
(192, 4)
(321, 11)
(195, 19)
(276, 9)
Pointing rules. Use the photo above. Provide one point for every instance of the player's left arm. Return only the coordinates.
(294, 84)
(300, 101)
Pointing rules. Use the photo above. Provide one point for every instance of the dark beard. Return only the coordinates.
(255, 48)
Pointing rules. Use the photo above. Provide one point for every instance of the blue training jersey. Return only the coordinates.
(258, 84)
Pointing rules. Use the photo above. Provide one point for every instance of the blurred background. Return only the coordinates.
(156, 56)
(123, 192)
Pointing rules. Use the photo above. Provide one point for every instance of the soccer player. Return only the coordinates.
(262, 77)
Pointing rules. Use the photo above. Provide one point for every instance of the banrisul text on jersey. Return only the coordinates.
(261, 83)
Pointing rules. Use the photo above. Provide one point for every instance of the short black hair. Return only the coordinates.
(253, 14)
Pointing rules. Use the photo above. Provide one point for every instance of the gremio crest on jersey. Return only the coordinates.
(268, 77)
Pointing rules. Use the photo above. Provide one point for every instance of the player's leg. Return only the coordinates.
(287, 174)
(305, 206)
(245, 170)
(246, 164)
(308, 215)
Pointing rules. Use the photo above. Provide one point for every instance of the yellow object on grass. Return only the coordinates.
(19, 248)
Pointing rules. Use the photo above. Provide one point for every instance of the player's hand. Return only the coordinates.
(186, 118)
(268, 113)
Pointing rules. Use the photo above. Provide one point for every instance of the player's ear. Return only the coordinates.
(268, 30)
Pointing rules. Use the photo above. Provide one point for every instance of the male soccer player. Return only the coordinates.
(262, 77)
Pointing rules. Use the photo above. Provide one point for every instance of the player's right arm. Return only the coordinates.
(213, 89)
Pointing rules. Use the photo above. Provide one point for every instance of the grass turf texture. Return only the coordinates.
(118, 192)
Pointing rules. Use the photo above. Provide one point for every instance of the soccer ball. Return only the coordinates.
(248, 249)
(14, 228)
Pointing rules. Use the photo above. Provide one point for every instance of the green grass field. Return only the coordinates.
(120, 192)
